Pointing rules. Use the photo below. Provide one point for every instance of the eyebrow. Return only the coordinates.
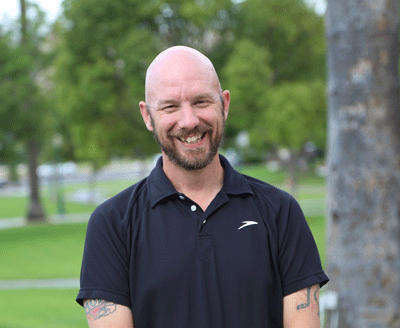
(195, 98)
(204, 95)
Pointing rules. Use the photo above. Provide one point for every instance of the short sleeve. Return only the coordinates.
(105, 264)
(299, 260)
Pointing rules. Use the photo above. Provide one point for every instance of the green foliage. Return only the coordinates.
(100, 64)
(247, 75)
(21, 105)
(292, 32)
(294, 114)
(276, 75)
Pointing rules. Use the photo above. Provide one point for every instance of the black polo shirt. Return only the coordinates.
(155, 250)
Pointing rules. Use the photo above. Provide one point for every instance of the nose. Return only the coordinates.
(188, 117)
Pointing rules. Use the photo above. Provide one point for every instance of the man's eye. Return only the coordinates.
(201, 103)
(170, 107)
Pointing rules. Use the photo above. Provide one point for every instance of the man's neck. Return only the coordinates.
(199, 185)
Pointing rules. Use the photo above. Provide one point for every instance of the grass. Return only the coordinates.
(13, 207)
(317, 226)
(41, 308)
(42, 251)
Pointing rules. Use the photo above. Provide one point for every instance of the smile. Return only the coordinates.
(192, 139)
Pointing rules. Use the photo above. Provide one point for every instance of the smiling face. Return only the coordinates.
(185, 107)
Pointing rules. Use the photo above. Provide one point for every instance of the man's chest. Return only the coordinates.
(228, 245)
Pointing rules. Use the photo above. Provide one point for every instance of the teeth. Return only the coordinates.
(191, 140)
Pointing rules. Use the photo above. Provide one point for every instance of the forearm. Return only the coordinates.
(104, 314)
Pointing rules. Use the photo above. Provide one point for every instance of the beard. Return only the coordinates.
(197, 159)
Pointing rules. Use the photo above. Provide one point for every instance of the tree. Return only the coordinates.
(102, 56)
(35, 210)
(276, 76)
(22, 105)
(364, 167)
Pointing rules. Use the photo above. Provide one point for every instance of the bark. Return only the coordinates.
(364, 161)
(35, 210)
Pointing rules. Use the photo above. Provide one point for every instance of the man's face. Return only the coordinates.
(185, 108)
(194, 146)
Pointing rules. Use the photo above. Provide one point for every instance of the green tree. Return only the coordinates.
(102, 54)
(247, 74)
(22, 105)
(276, 76)
(103, 51)
(292, 32)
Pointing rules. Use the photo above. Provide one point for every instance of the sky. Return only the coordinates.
(53, 7)
(11, 8)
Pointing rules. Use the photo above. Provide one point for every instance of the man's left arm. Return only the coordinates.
(301, 309)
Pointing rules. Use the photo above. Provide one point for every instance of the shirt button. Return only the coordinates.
(182, 197)
(204, 221)
(193, 208)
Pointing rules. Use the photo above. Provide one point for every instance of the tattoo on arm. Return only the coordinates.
(96, 308)
(307, 303)
(316, 298)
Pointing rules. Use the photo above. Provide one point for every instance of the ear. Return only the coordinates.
(146, 115)
(226, 96)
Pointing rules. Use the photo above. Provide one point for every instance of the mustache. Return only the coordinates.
(185, 133)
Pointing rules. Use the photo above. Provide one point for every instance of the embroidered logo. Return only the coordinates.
(247, 223)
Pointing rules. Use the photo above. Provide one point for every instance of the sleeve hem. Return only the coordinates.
(304, 282)
(102, 294)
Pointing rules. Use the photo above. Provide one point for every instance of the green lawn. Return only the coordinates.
(41, 251)
(317, 226)
(13, 207)
(41, 308)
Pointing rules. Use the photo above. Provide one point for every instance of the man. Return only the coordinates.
(196, 244)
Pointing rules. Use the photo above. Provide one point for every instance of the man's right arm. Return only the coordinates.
(103, 314)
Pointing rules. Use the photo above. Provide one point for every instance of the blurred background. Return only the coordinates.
(71, 135)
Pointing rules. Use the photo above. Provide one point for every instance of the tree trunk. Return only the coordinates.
(35, 211)
(364, 161)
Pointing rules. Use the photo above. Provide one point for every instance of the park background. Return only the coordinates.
(71, 134)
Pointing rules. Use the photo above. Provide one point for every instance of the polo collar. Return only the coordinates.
(234, 182)
(160, 187)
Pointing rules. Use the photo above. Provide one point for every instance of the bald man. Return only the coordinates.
(197, 244)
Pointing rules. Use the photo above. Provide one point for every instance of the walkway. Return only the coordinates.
(55, 219)
(67, 283)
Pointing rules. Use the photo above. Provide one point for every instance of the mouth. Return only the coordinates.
(193, 139)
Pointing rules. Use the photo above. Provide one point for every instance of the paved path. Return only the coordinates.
(55, 219)
(70, 283)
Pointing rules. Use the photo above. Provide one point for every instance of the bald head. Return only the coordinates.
(176, 63)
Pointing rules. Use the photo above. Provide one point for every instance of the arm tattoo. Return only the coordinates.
(96, 309)
(307, 303)
(316, 298)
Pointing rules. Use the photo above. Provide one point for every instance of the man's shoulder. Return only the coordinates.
(265, 189)
(268, 193)
(124, 201)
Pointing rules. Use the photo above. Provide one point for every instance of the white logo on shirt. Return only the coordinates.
(247, 223)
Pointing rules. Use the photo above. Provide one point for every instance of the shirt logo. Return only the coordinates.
(247, 223)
